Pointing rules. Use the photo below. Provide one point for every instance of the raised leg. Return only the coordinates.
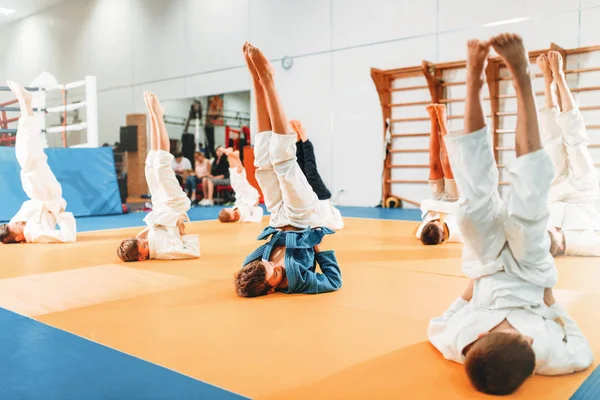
(39, 183)
(168, 192)
(550, 131)
(154, 129)
(474, 168)
(566, 97)
(233, 157)
(451, 191)
(299, 202)
(530, 176)
(264, 70)
(265, 175)
(510, 47)
(550, 100)
(310, 169)
(436, 173)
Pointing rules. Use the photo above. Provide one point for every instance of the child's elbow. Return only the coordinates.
(337, 283)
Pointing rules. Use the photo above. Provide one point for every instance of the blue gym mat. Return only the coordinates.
(211, 213)
(590, 389)
(42, 362)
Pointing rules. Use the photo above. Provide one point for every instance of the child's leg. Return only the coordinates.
(300, 155)
(449, 183)
(265, 175)
(472, 159)
(245, 193)
(305, 156)
(299, 200)
(39, 183)
(169, 192)
(531, 176)
(582, 174)
(436, 173)
(556, 65)
(312, 173)
(550, 131)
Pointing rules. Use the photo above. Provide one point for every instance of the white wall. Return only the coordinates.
(186, 48)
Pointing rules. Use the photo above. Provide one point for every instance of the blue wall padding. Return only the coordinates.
(87, 177)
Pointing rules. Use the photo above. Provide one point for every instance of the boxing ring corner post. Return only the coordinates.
(91, 99)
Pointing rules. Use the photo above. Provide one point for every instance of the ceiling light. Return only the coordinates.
(507, 21)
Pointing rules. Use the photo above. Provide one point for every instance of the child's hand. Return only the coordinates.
(468, 293)
(181, 227)
(549, 297)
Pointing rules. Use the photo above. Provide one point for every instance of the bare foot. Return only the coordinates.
(23, 96)
(251, 68)
(233, 157)
(556, 63)
(510, 48)
(263, 67)
(440, 111)
(557, 242)
(543, 63)
(299, 129)
(477, 54)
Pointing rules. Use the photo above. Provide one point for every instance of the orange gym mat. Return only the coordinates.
(367, 341)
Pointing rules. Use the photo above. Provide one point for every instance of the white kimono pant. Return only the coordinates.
(288, 196)
(169, 201)
(509, 237)
(46, 206)
(245, 193)
(575, 185)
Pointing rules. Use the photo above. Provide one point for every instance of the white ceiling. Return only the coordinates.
(23, 8)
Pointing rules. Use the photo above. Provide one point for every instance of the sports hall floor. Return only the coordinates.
(76, 323)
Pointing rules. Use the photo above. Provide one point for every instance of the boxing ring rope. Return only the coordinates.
(436, 82)
(90, 104)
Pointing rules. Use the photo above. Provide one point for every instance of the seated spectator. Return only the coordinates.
(219, 176)
(182, 167)
(198, 175)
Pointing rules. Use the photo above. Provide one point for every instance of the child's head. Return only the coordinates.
(432, 233)
(499, 362)
(133, 249)
(229, 215)
(258, 278)
(12, 233)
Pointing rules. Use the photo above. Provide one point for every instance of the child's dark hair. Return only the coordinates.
(251, 280)
(499, 363)
(224, 216)
(432, 234)
(6, 235)
(128, 250)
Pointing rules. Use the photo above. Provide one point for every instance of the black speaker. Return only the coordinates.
(129, 140)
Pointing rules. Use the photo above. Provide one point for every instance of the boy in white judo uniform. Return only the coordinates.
(305, 156)
(38, 218)
(246, 207)
(507, 324)
(574, 224)
(164, 238)
(287, 262)
(439, 221)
